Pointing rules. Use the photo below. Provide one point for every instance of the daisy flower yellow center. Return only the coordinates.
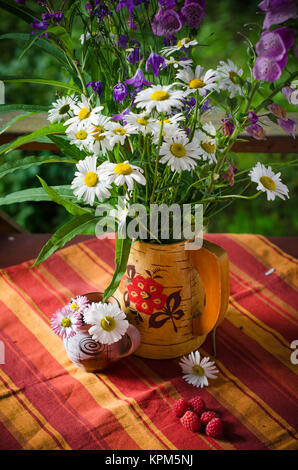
(66, 322)
(64, 109)
(183, 41)
(232, 76)
(209, 148)
(91, 179)
(142, 121)
(123, 169)
(108, 323)
(119, 131)
(196, 83)
(97, 131)
(81, 135)
(74, 306)
(84, 113)
(268, 183)
(160, 95)
(166, 121)
(198, 370)
(178, 150)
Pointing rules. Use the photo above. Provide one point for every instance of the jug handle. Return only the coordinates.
(212, 263)
(135, 339)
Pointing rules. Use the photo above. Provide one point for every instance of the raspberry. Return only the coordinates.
(180, 407)
(214, 428)
(191, 421)
(207, 416)
(197, 405)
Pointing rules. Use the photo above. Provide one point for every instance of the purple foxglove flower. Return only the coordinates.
(193, 14)
(288, 125)
(287, 35)
(253, 118)
(271, 45)
(277, 11)
(134, 56)
(138, 80)
(256, 131)
(156, 62)
(266, 70)
(229, 175)
(167, 3)
(120, 92)
(287, 91)
(201, 3)
(227, 127)
(121, 116)
(96, 87)
(167, 22)
(277, 110)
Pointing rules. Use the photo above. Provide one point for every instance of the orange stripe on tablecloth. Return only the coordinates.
(99, 391)
(8, 441)
(279, 250)
(30, 423)
(48, 281)
(263, 293)
(269, 258)
(98, 261)
(19, 437)
(252, 411)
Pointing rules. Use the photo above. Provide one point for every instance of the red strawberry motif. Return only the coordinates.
(146, 294)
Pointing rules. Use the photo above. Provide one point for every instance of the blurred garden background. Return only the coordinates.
(219, 33)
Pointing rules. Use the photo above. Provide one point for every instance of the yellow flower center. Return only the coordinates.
(97, 131)
(268, 183)
(74, 306)
(232, 76)
(166, 121)
(183, 41)
(84, 113)
(123, 169)
(81, 135)
(196, 83)
(108, 323)
(66, 322)
(119, 131)
(198, 370)
(160, 95)
(208, 147)
(142, 121)
(91, 179)
(178, 150)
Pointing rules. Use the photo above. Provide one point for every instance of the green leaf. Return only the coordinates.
(36, 195)
(23, 163)
(51, 129)
(10, 108)
(72, 208)
(67, 232)
(62, 35)
(18, 10)
(41, 81)
(68, 148)
(122, 251)
(28, 46)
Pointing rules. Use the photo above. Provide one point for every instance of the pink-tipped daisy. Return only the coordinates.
(78, 304)
(66, 322)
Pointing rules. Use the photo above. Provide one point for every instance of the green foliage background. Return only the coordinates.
(219, 31)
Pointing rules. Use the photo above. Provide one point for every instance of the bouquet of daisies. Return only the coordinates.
(134, 116)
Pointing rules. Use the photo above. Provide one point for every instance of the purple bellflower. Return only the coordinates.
(120, 92)
(138, 80)
(156, 62)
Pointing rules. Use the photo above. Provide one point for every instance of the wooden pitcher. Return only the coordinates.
(174, 296)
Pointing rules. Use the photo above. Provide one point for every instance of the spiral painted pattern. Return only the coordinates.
(90, 347)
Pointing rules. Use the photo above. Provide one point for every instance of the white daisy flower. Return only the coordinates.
(98, 139)
(88, 183)
(140, 122)
(170, 128)
(161, 98)
(78, 304)
(178, 63)
(118, 133)
(182, 43)
(78, 135)
(109, 322)
(206, 143)
(62, 109)
(226, 74)
(179, 153)
(121, 173)
(196, 371)
(198, 80)
(82, 113)
(268, 182)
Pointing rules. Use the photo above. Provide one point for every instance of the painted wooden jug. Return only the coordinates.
(174, 296)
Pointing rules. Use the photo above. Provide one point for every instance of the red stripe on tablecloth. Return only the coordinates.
(18, 398)
(252, 266)
(81, 402)
(104, 249)
(7, 441)
(42, 279)
(265, 313)
(242, 439)
(277, 249)
(232, 346)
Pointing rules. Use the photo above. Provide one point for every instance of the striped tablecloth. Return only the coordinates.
(47, 403)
